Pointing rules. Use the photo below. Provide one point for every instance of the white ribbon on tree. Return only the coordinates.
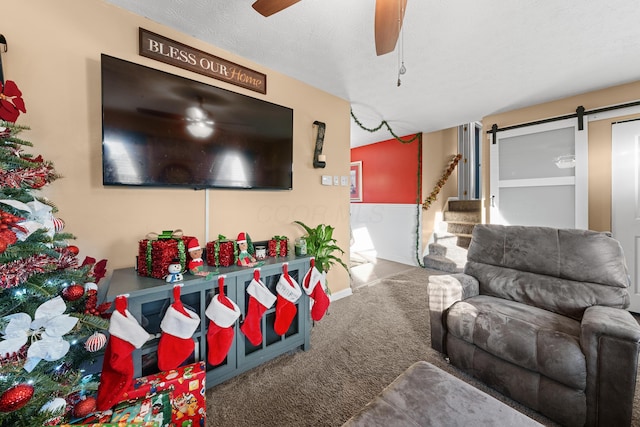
(38, 216)
(45, 332)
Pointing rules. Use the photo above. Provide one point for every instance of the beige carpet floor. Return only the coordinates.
(363, 344)
(368, 272)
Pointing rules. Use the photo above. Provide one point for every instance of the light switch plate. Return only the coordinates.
(344, 181)
(326, 179)
(336, 180)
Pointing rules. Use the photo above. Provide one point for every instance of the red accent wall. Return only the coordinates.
(389, 171)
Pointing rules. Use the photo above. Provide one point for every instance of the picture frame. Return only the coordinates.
(355, 181)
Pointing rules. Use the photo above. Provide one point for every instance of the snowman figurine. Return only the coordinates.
(175, 272)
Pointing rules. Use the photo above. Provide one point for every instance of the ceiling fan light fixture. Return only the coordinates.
(565, 162)
(195, 113)
(200, 129)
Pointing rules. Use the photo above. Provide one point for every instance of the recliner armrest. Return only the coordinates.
(443, 292)
(610, 340)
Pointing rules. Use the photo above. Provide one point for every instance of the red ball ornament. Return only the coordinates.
(73, 249)
(16, 397)
(84, 407)
(95, 342)
(73, 292)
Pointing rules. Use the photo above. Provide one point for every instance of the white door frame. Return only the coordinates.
(469, 167)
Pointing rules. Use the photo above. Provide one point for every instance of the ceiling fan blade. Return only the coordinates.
(389, 16)
(269, 7)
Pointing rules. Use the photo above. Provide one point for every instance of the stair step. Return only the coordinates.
(462, 216)
(464, 240)
(449, 250)
(465, 205)
(444, 251)
(459, 228)
(441, 263)
(437, 249)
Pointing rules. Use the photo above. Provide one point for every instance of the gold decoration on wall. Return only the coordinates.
(441, 182)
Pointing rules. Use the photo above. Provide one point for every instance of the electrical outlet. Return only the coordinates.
(344, 181)
(326, 179)
(336, 180)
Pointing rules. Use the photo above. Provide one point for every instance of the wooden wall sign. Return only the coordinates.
(169, 51)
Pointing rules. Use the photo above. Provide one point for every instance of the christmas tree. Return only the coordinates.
(50, 323)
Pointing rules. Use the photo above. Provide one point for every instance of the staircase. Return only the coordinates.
(451, 238)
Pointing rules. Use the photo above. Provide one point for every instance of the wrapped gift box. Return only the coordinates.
(147, 424)
(221, 252)
(96, 418)
(155, 254)
(278, 246)
(155, 409)
(186, 387)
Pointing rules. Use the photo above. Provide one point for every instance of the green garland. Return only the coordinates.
(386, 124)
(418, 194)
(417, 136)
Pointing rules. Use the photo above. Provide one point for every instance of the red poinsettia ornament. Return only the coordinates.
(11, 102)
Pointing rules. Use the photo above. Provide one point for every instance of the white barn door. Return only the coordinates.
(625, 198)
(539, 176)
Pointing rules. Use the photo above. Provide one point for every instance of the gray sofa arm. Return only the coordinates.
(443, 292)
(610, 340)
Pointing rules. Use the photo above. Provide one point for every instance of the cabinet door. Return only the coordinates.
(272, 344)
(152, 309)
(228, 366)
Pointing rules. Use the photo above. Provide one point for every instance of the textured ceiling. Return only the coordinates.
(465, 59)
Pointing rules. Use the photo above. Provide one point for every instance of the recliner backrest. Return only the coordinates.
(562, 270)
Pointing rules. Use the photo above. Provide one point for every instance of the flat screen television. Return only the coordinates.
(163, 130)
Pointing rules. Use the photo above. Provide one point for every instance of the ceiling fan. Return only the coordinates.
(388, 21)
(198, 120)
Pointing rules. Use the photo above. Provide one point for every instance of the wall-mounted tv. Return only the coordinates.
(163, 130)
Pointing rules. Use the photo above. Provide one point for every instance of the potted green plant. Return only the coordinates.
(322, 246)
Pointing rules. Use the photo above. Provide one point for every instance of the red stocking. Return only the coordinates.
(313, 285)
(222, 314)
(117, 367)
(288, 293)
(260, 300)
(176, 342)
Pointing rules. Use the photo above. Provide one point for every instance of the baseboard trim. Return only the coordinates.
(341, 294)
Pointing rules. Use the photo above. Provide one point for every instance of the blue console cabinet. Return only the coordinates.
(149, 298)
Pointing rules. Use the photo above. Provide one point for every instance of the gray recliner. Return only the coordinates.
(539, 315)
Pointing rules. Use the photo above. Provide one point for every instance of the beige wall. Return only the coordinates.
(438, 148)
(54, 57)
(599, 142)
